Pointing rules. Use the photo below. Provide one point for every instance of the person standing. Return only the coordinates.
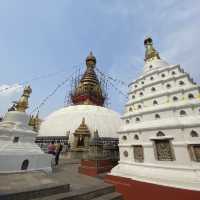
(59, 148)
(52, 148)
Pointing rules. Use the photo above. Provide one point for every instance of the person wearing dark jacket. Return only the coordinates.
(58, 151)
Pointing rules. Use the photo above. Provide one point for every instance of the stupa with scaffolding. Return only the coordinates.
(87, 110)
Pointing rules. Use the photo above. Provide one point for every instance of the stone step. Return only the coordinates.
(110, 196)
(20, 147)
(82, 194)
(36, 192)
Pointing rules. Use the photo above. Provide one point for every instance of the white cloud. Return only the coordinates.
(8, 94)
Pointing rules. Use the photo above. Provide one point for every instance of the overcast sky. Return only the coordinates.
(39, 37)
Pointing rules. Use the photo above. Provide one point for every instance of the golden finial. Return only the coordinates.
(34, 122)
(90, 60)
(31, 121)
(96, 134)
(83, 121)
(89, 91)
(83, 128)
(22, 104)
(150, 53)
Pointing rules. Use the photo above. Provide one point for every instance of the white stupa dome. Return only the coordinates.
(68, 119)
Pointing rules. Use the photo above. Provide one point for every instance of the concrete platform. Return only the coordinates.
(103, 192)
(35, 185)
(24, 181)
(68, 171)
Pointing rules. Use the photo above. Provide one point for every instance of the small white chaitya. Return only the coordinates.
(18, 151)
(160, 137)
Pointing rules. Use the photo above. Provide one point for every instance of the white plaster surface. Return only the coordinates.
(12, 155)
(68, 119)
(183, 171)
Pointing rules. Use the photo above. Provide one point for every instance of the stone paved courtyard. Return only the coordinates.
(66, 172)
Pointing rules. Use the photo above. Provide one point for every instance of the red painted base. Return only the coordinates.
(95, 167)
(136, 190)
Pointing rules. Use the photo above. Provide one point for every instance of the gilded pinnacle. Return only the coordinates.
(90, 60)
(22, 104)
(150, 52)
(88, 91)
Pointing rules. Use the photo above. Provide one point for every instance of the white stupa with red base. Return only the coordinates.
(160, 137)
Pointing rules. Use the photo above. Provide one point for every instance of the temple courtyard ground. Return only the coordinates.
(64, 183)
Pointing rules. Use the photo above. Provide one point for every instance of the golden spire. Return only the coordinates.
(31, 121)
(96, 134)
(90, 60)
(150, 52)
(82, 129)
(34, 122)
(83, 121)
(89, 91)
(22, 104)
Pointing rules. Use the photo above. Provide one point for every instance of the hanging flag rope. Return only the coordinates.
(118, 90)
(110, 79)
(31, 80)
(37, 108)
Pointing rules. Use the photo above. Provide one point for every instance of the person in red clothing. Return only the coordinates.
(52, 148)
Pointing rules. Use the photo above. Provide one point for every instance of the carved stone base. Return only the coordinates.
(132, 189)
(95, 167)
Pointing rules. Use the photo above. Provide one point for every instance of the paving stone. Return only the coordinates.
(82, 194)
(65, 173)
(110, 196)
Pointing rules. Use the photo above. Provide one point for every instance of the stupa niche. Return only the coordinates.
(81, 139)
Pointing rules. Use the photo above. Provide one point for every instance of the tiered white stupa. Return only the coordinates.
(160, 136)
(18, 151)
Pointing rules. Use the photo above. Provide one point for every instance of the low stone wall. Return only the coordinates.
(43, 142)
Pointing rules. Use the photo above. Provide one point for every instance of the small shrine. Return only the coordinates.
(97, 161)
(81, 139)
(96, 147)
